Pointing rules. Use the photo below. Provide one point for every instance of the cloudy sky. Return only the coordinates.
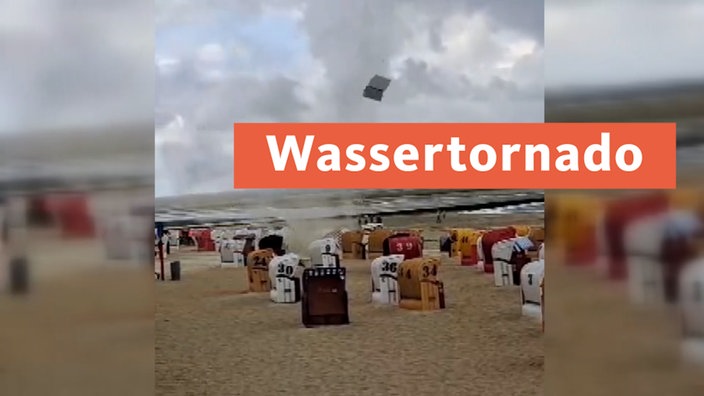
(220, 61)
(603, 42)
(64, 66)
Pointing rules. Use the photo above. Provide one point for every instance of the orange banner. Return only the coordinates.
(472, 156)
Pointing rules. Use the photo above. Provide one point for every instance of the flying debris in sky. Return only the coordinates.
(376, 87)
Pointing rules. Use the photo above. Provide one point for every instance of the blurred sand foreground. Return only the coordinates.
(87, 333)
(213, 340)
(598, 343)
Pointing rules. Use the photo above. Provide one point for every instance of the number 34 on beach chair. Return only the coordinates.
(419, 286)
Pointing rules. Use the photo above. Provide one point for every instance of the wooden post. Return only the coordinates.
(161, 258)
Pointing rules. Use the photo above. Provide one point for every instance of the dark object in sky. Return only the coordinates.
(376, 87)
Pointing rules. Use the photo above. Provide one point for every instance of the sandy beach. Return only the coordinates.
(206, 338)
(598, 342)
(211, 339)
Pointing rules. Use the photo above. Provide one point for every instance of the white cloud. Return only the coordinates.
(452, 61)
(210, 62)
(167, 66)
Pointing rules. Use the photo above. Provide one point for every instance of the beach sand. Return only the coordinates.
(92, 331)
(598, 342)
(211, 339)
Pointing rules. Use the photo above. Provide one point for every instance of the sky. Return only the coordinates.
(605, 42)
(94, 63)
(86, 64)
(219, 61)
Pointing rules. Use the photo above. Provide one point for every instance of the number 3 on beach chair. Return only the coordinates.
(385, 279)
(419, 287)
